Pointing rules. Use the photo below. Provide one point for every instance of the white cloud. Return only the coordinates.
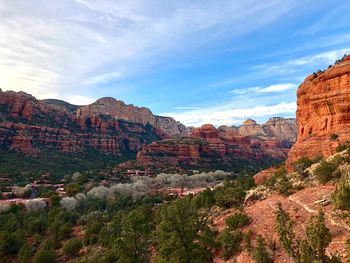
(278, 87)
(229, 115)
(69, 46)
(302, 63)
(270, 89)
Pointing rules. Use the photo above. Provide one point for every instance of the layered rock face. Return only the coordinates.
(207, 146)
(119, 110)
(323, 110)
(285, 130)
(109, 126)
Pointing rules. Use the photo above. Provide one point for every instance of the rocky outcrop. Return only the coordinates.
(109, 126)
(207, 146)
(251, 128)
(323, 112)
(119, 110)
(285, 130)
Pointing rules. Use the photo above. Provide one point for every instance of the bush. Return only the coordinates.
(276, 175)
(301, 165)
(343, 146)
(324, 171)
(284, 186)
(260, 253)
(341, 195)
(72, 247)
(230, 242)
(238, 220)
(25, 253)
(44, 255)
(35, 205)
(72, 189)
(333, 136)
(10, 243)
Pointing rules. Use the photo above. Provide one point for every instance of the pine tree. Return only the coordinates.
(318, 236)
(341, 195)
(183, 233)
(285, 230)
(260, 253)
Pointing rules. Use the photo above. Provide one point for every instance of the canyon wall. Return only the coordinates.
(323, 112)
(109, 126)
(208, 146)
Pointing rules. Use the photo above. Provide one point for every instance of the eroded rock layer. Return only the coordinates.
(323, 112)
(207, 145)
(31, 126)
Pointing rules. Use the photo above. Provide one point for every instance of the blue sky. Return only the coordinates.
(200, 62)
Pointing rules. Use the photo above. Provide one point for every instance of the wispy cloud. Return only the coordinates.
(70, 46)
(301, 64)
(229, 114)
(269, 89)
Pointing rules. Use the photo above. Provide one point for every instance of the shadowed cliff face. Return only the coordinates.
(108, 126)
(323, 109)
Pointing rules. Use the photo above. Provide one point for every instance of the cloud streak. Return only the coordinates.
(229, 114)
(74, 46)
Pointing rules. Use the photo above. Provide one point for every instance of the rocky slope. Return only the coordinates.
(323, 110)
(109, 126)
(209, 146)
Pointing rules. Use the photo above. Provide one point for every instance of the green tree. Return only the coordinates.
(72, 247)
(318, 236)
(313, 248)
(44, 255)
(238, 220)
(134, 242)
(324, 171)
(260, 253)
(10, 243)
(25, 253)
(230, 241)
(285, 230)
(341, 195)
(72, 189)
(183, 233)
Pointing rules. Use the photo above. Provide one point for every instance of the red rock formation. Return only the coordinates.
(109, 126)
(208, 145)
(323, 109)
(301, 206)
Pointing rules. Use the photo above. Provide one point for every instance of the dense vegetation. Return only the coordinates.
(126, 228)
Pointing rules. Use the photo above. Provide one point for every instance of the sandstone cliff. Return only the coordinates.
(323, 101)
(31, 126)
(209, 146)
(285, 130)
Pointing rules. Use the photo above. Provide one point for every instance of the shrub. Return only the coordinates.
(25, 253)
(69, 203)
(333, 136)
(284, 186)
(238, 220)
(341, 195)
(35, 205)
(343, 146)
(324, 171)
(72, 189)
(301, 165)
(260, 253)
(44, 255)
(230, 242)
(278, 174)
(10, 243)
(72, 247)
